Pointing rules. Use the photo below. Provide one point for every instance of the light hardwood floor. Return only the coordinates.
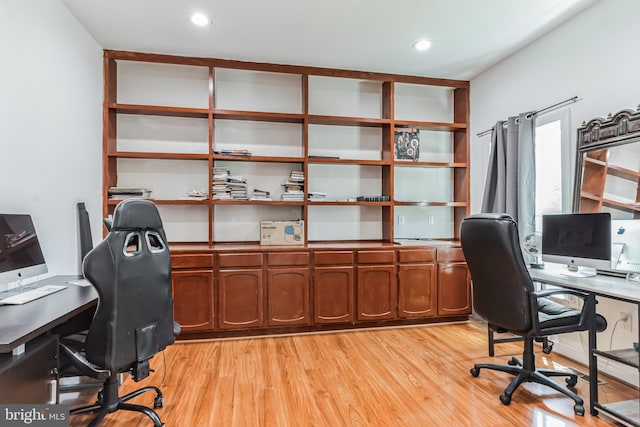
(416, 376)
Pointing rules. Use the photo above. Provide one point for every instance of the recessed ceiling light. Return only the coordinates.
(200, 19)
(422, 45)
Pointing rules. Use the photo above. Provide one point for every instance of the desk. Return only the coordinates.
(29, 374)
(20, 324)
(608, 287)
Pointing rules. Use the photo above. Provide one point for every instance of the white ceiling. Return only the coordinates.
(468, 36)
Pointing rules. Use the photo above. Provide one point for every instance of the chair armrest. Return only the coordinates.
(548, 292)
(587, 315)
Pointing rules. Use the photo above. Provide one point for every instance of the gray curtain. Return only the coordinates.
(511, 178)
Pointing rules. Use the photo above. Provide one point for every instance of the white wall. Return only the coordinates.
(50, 124)
(593, 56)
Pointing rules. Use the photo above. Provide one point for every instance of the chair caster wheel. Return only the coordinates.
(578, 409)
(475, 372)
(506, 400)
(158, 402)
(572, 381)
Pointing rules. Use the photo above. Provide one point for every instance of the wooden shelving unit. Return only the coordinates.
(308, 108)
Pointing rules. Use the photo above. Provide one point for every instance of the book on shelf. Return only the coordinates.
(311, 156)
(372, 199)
(197, 194)
(406, 143)
(261, 195)
(317, 196)
(239, 152)
(192, 197)
(121, 193)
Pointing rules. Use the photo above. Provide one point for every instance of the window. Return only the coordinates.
(554, 165)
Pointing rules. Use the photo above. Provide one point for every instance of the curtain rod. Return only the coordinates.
(544, 110)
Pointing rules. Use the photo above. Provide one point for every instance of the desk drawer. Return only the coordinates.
(192, 261)
(450, 254)
(288, 258)
(416, 255)
(333, 258)
(253, 259)
(376, 257)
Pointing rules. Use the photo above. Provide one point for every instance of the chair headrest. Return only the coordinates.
(136, 214)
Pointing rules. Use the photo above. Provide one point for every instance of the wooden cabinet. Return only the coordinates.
(376, 285)
(240, 291)
(333, 287)
(417, 290)
(233, 290)
(454, 285)
(193, 292)
(288, 284)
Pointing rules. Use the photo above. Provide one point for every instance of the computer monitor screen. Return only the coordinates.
(625, 244)
(20, 252)
(577, 240)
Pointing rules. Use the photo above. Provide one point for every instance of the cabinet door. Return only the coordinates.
(377, 292)
(333, 294)
(417, 290)
(193, 301)
(240, 296)
(454, 289)
(288, 296)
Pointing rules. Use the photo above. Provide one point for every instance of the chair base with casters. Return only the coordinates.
(109, 401)
(74, 363)
(525, 370)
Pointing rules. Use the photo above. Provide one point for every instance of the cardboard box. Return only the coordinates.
(282, 232)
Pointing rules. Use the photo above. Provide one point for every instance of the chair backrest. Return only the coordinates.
(84, 231)
(501, 281)
(131, 271)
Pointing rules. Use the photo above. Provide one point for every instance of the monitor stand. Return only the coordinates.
(574, 271)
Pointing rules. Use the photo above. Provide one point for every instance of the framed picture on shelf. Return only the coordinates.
(407, 144)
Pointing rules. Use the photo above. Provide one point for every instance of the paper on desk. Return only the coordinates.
(80, 282)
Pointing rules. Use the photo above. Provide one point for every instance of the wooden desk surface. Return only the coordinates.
(21, 323)
(608, 286)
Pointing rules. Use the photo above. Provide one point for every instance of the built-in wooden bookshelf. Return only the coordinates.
(164, 116)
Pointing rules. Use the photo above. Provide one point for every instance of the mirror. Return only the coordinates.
(608, 176)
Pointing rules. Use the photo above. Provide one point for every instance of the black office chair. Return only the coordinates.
(131, 270)
(504, 295)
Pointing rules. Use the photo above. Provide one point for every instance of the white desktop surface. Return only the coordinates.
(609, 286)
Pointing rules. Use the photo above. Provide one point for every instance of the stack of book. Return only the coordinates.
(237, 185)
(219, 187)
(261, 195)
(294, 187)
(121, 193)
(317, 196)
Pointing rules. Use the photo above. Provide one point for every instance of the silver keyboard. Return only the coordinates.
(32, 294)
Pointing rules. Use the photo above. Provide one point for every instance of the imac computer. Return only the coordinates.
(581, 241)
(20, 253)
(625, 244)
